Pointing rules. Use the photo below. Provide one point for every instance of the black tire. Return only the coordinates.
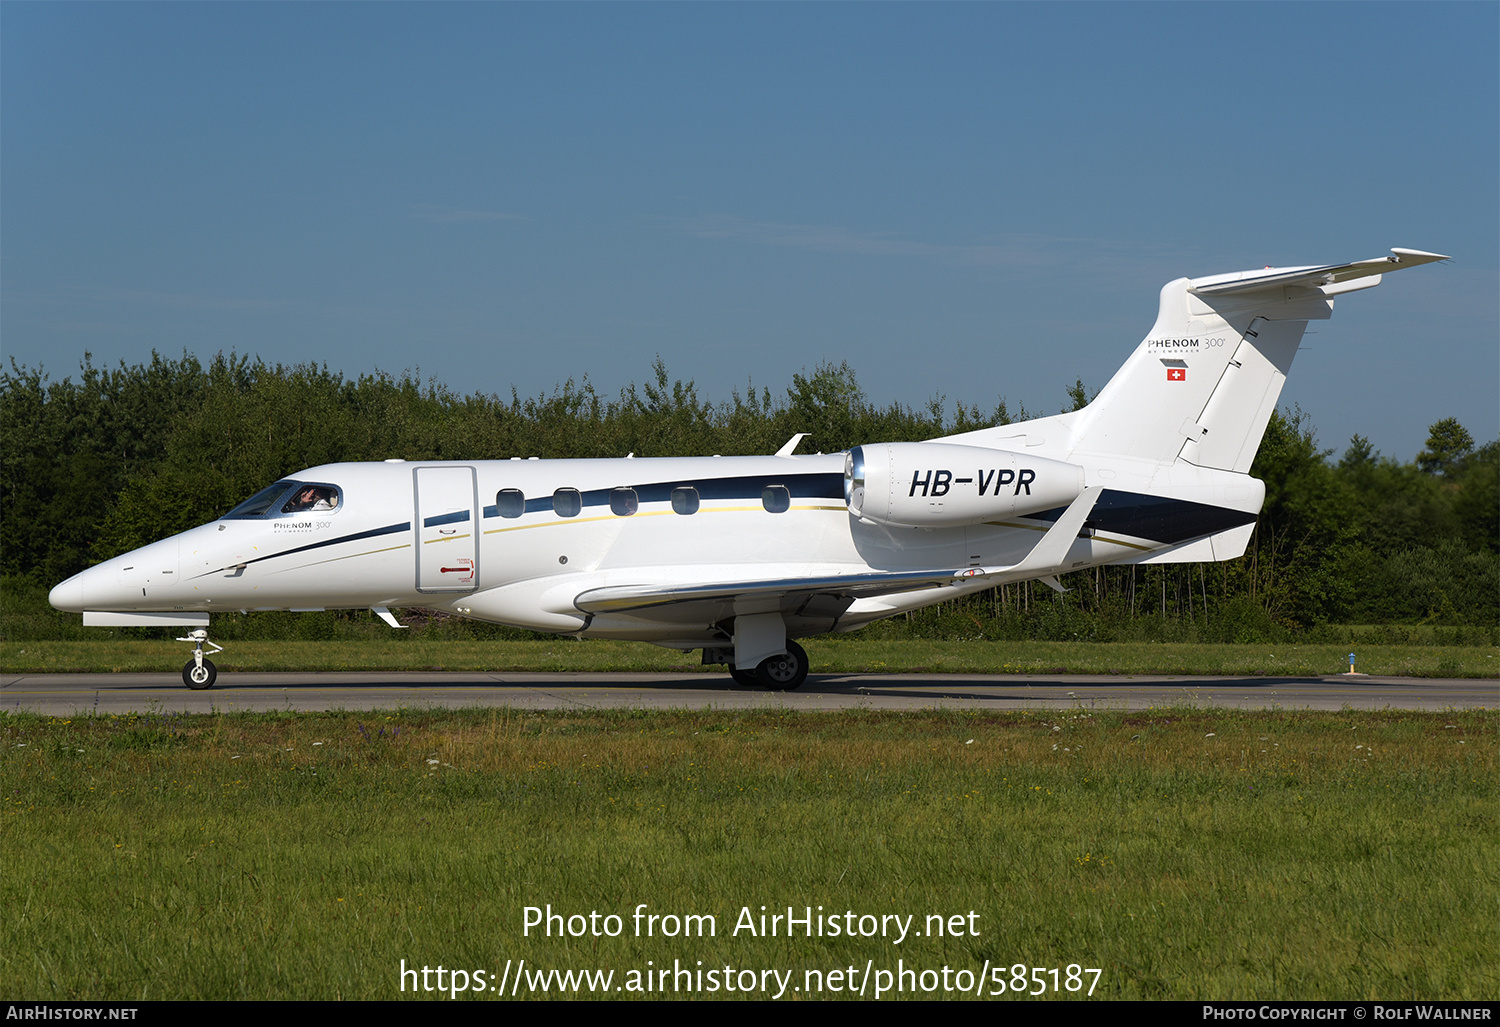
(196, 678)
(747, 678)
(783, 673)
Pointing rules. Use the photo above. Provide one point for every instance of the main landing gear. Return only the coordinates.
(782, 673)
(199, 673)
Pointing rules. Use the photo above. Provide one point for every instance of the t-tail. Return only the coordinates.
(1169, 441)
(1202, 385)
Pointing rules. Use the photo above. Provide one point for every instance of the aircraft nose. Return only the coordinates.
(68, 596)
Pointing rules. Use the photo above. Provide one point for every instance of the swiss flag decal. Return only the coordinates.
(1176, 374)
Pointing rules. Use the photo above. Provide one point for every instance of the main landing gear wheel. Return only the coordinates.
(747, 678)
(783, 673)
(197, 677)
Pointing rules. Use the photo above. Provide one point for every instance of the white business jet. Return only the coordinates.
(739, 556)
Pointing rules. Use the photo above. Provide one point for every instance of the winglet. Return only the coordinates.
(1049, 553)
(387, 616)
(1046, 557)
(792, 444)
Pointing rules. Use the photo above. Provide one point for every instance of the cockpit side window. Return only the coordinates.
(307, 498)
(263, 501)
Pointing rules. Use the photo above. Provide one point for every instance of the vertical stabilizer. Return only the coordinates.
(1203, 384)
(1156, 404)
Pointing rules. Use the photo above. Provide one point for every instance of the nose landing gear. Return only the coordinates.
(199, 673)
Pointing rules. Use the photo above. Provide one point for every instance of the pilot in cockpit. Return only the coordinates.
(312, 498)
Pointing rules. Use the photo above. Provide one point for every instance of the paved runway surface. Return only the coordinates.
(68, 694)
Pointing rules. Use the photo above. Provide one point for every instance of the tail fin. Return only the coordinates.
(1203, 384)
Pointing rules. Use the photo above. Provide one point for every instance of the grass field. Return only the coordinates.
(853, 654)
(1181, 853)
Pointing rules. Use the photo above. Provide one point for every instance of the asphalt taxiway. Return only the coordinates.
(73, 694)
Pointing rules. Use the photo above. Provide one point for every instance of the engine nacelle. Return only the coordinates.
(929, 484)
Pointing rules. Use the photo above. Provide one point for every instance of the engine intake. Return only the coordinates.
(928, 484)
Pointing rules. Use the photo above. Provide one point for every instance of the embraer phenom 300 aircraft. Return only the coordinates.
(739, 556)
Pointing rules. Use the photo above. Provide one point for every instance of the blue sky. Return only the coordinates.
(973, 201)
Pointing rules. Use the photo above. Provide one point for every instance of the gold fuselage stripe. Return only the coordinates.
(650, 513)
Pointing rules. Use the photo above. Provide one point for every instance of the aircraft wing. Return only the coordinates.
(834, 592)
(807, 605)
(1311, 277)
(632, 598)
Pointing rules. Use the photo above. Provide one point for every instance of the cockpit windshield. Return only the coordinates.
(260, 504)
(311, 497)
(287, 497)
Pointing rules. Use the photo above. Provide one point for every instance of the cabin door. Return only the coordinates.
(447, 521)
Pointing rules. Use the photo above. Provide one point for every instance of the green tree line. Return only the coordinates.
(109, 460)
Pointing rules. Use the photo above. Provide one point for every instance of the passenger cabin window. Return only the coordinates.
(623, 502)
(685, 500)
(510, 502)
(567, 502)
(311, 499)
(776, 498)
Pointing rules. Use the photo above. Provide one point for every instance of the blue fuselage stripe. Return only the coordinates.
(748, 486)
(389, 529)
(1158, 518)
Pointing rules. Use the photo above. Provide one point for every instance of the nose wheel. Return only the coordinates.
(199, 672)
(199, 675)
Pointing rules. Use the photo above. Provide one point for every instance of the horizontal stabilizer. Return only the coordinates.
(1309, 277)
